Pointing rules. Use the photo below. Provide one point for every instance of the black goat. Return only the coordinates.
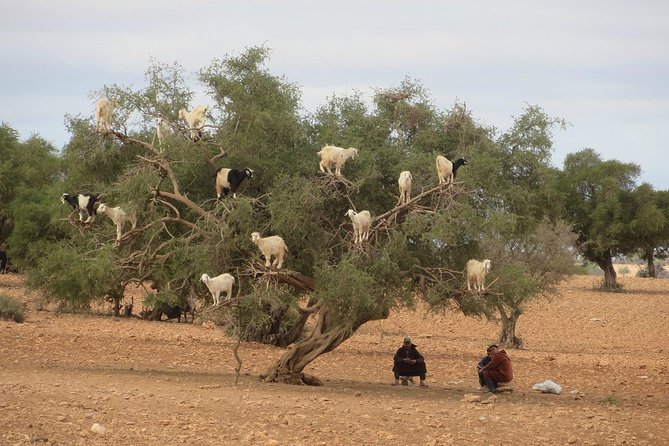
(229, 180)
(82, 203)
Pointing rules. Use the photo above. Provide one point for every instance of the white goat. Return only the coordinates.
(119, 217)
(362, 223)
(476, 272)
(219, 284)
(405, 186)
(103, 115)
(337, 156)
(446, 169)
(271, 246)
(195, 119)
(163, 130)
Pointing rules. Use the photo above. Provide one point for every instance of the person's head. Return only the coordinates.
(492, 349)
(407, 342)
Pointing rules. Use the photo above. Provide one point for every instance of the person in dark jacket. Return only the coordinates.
(498, 370)
(408, 362)
(482, 363)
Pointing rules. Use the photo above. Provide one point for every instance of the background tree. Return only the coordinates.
(26, 168)
(594, 200)
(515, 222)
(648, 229)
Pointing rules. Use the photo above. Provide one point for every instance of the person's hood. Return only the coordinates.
(503, 352)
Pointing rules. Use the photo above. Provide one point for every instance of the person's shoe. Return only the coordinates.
(395, 382)
(405, 382)
(423, 384)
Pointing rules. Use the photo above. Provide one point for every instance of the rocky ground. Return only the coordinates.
(158, 383)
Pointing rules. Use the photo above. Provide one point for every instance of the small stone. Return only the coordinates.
(469, 398)
(37, 438)
(98, 428)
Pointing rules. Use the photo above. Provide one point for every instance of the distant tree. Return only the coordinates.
(594, 200)
(26, 167)
(648, 230)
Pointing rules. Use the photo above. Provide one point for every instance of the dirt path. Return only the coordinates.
(152, 383)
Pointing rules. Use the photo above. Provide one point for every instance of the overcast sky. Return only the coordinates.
(601, 65)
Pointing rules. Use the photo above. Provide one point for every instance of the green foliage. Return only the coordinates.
(350, 292)
(68, 273)
(505, 205)
(596, 199)
(37, 215)
(28, 165)
(11, 309)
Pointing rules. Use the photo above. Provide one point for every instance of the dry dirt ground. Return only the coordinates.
(160, 383)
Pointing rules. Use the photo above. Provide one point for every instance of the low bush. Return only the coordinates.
(11, 309)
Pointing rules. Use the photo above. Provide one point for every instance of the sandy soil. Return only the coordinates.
(157, 383)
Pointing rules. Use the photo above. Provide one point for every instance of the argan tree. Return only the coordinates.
(594, 193)
(648, 230)
(329, 286)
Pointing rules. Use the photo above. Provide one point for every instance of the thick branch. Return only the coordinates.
(189, 204)
(212, 162)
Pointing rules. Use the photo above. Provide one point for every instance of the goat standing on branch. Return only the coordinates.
(219, 284)
(362, 223)
(405, 186)
(476, 272)
(103, 115)
(195, 120)
(446, 169)
(163, 130)
(229, 180)
(119, 217)
(271, 246)
(84, 203)
(337, 156)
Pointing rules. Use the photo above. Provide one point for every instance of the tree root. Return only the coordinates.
(287, 377)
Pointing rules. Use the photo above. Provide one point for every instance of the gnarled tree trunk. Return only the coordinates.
(508, 336)
(325, 337)
(606, 264)
(649, 254)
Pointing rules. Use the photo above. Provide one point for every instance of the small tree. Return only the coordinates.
(648, 230)
(526, 268)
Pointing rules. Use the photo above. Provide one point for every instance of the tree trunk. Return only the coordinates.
(326, 336)
(606, 264)
(508, 336)
(650, 258)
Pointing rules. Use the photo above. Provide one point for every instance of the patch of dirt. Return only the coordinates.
(157, 383)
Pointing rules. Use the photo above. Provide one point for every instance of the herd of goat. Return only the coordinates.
(228, 180)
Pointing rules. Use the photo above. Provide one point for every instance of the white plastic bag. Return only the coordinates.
(548, 386)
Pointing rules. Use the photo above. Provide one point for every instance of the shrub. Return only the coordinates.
(11, 309)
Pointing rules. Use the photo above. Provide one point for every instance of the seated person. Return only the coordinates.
(482, 363)
(498, 369)
(409, 362)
